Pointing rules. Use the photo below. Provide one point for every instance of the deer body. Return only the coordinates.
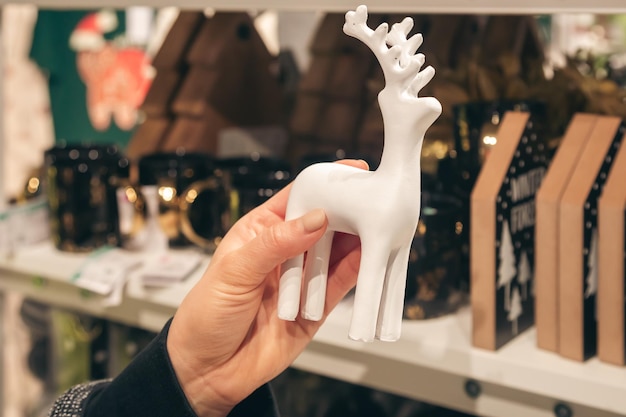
(382, 207)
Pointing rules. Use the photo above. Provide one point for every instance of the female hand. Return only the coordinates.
(226, 339)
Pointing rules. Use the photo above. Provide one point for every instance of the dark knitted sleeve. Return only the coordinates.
(72, 402)
(148, 387)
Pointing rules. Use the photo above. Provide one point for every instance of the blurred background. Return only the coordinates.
(148, 129)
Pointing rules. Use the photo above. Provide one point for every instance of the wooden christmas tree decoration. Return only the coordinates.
(381, 207)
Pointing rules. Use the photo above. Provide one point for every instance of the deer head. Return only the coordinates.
(401, 65)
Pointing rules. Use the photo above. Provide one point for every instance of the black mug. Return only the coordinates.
(437, 262)
(80, 188)
(252, 180)
(188, 195)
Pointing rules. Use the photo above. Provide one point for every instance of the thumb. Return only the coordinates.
(275, 244)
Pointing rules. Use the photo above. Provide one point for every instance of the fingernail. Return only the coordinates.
(313, 220)
(367, 166)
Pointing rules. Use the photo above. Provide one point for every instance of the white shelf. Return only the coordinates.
(43, 273)
(400, 6)
(432, 361)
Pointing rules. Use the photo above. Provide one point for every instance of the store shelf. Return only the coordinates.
(433, 361)
(408, 6)
(43, 273)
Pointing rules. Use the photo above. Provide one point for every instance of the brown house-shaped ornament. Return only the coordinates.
(578, 241)
(211, 73)
(548, 220)
(612, 265)
(502, 234)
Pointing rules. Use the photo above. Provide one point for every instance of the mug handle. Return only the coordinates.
(187, 199)
(138, 217)
(168, 213)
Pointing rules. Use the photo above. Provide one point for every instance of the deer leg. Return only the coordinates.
(392, 306)
(315, 276)
(289, 288)
(290, 283)
(369, 289)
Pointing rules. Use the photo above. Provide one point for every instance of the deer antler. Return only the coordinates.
(356, 26)
(400, 64)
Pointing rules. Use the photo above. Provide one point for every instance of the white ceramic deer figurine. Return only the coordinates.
(382, 207)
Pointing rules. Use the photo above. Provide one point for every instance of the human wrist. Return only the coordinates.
(198, 389)
(203, 399)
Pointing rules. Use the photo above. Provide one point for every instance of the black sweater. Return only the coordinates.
(148, 387)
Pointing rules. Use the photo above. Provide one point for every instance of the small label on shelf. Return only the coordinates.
(169, 267)
(29, 224)
(105, 272)
(23, 225)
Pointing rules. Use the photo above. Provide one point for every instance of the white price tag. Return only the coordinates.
(106, 270)
(23, 225)
(29, 224)
(169, 267)
(100, 278)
